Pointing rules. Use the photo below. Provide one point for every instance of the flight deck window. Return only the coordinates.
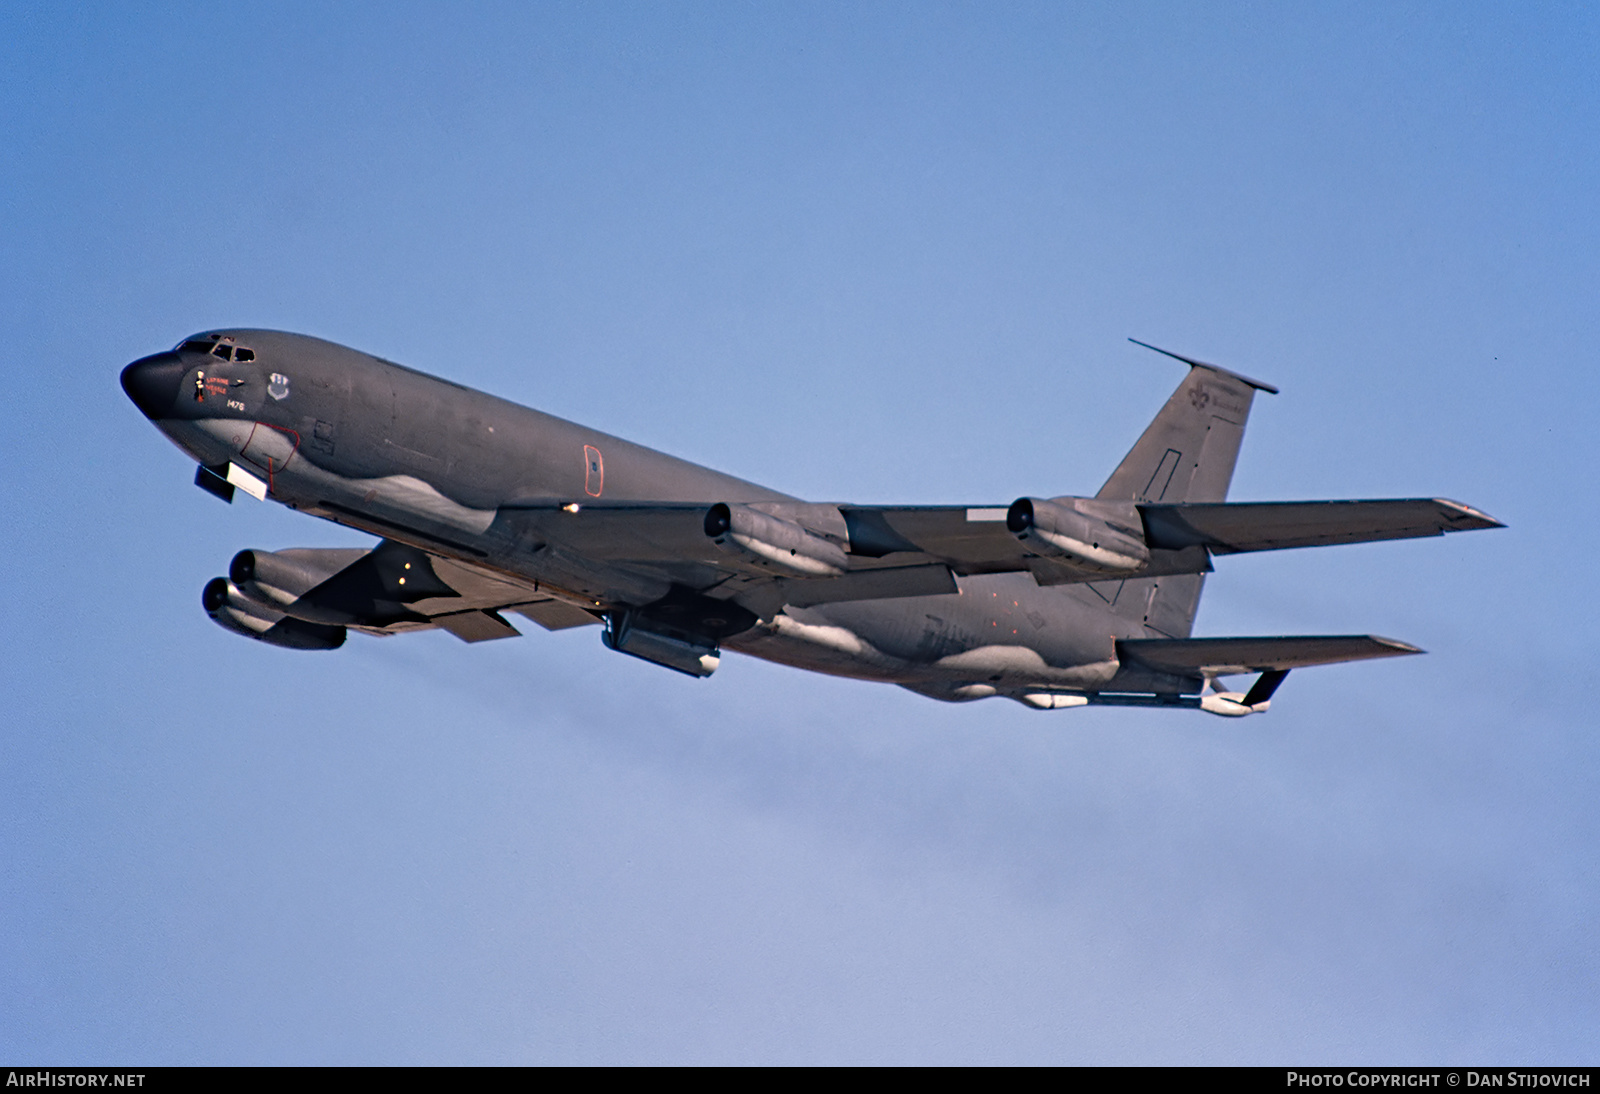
(220, 350)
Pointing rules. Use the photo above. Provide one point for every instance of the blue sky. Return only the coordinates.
(856, 252)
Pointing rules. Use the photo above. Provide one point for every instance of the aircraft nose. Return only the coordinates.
(152, 383)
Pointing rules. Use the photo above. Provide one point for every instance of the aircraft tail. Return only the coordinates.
(1187, 454)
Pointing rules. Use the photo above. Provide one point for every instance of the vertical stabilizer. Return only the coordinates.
(1186, 454)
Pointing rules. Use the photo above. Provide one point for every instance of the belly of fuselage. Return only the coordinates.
(1000, 629)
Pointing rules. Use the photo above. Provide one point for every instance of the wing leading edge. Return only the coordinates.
(883, 552)
(1225, 528)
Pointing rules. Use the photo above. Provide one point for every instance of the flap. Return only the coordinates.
(477, 626)
(555, 615)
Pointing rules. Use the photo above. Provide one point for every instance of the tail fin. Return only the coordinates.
(1187, 454)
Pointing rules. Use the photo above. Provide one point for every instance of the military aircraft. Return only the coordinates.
(485, 508)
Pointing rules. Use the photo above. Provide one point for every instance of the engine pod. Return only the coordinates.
(234, 610)
(782, 544)
(1106, 537)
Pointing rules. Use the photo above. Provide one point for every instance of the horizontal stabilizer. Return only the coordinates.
(1225, 656)
(1226, 528)
(1190, 361)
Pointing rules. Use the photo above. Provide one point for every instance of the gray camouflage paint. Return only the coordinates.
(566, 524)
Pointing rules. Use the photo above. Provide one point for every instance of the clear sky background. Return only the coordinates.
(881, 253)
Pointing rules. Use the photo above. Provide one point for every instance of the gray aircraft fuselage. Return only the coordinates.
(476, 480)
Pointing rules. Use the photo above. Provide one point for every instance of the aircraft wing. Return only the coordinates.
(1228, 656)
(1226, 528)
(893, 551)
(974, 539)
(476, 617)
(391, 589)
(669, 543)
(914, 550)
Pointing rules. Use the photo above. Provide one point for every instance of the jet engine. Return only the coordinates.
(235, 610)
(1104, 536)
(773, 540)
(281, 579)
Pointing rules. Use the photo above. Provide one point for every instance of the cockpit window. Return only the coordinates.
(220, 349)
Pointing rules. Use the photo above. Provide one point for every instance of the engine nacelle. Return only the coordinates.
(782, 543)
(279, 579)
(1106, 536)
(235, 610)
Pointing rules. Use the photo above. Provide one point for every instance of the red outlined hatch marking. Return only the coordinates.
(258, 457)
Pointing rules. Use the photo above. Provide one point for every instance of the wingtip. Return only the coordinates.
(1464, 518)
(1259, 385)
(1396, 647)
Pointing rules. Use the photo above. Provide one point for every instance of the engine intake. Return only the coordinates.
(773, 540)
(232, 609)
(1104, 536)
